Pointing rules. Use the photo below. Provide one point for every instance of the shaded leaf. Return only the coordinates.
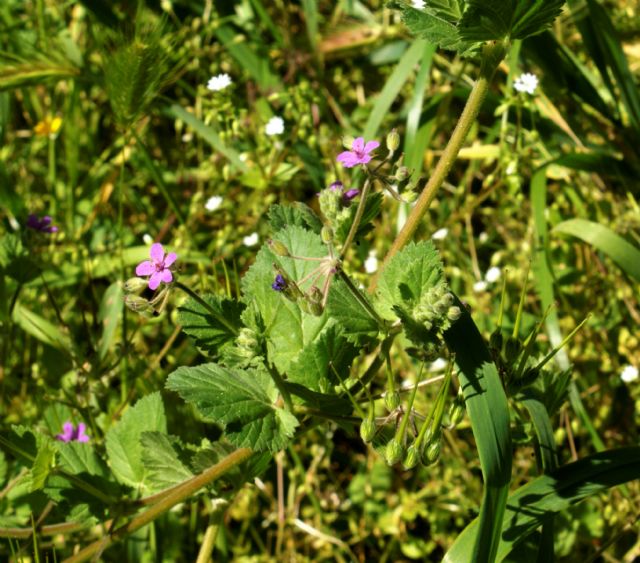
(161, 461)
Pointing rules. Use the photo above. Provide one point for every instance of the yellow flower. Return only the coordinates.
(48, 127)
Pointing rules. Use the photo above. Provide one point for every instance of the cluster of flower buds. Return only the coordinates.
(336, 204)
(436, 309)
(133, 299)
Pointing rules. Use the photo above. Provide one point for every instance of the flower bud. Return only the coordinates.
(394, 452)
(133, 285)
(278, 248)
(347, 141)
(368, 430)
(393, 140)
(138, 304)
(456, 411)
(412, 457)
(512, 349)
(453, 314)
(392, 400)
(431, 453)
(402, 173)
(496, 340)
(326, 234)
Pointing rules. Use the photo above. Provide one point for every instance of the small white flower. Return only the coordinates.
(417, 4)
(629, 374)
(493, 274)
(371, 263)
(251, 240)
(147, 239)
(440, 234)
(483, 237)
(219, 82)
(438, 365)
(213, 203)
(275, 126)
(526, 82)
(480, 286)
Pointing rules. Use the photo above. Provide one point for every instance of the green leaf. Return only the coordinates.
(313, 367)
(123, 440)
(109, 316)
(531, 504)
(287, 329)
(354, 319)
(409, 274)
(437, 23)
(42, 465)
(298, 214)
(488, 411)
(162, 464)
(531, 17)
(372, 208)
(237, 476)
(40, 328)
(623, 253)
(486, 20)
(209, 333)
(241, 401)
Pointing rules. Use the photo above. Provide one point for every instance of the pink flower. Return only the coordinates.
(359, 153)
(70, 434)
(157, 267)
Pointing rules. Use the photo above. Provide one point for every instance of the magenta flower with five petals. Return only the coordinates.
(157, 267)
(70, 434)
(359, 153)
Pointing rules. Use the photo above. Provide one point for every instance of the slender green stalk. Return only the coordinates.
(492, 56)
(358, 217)
(175, 496)
(282, 388)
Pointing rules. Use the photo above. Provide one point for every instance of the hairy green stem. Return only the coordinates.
(175, 496)
(358, 217)
(282, 388)
(492, 56)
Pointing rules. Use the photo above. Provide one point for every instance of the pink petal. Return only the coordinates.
(170, 259)
(358, 144)
(82, 436)
(364, 159)
(371, 145)
(155, 279)
(348, 159)
(145, 268)
(157, 252)
(167, 276)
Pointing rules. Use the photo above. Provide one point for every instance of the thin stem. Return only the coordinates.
(358, 217)
(282, 388)
(492, 56)
(206, 305)
(175, 496)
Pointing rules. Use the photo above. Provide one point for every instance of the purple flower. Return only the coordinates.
(349, 195)
(43, 225)
(336, 186)
(157, 267)
(359, 153)
(279, 284)
(70, 434)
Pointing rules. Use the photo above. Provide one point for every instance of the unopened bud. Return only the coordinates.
(138, 304)
(431, 453)
(278, 248)
(496, 340)
(347, 141)
(512, 349)
(394, 452)
(326, 234)
(368, 430)
(134, 285)
(402, 173)
(393, 140)
(456, 411)
(392, 400)
(412, 457)
(453, 314)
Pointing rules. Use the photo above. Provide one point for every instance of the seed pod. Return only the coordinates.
(278, 248)
(392, 400)
(394, 452)
(412, 457)
(393, 140)
(456, 411)
(368, 430)
(431, 453)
